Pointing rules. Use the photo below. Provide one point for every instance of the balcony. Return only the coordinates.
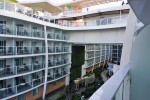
(116, 87)
(6, 92)
(6, 29)
(21, 87)
(12, 7)
(57, 62)
(56, 75)
(16, 70)
(8, 51)
(57, 36)
(58, 49)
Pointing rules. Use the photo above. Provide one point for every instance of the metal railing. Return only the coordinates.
(58, 49)
(23, 86)
(10, 70)
(20, 31)
(57, 36)
(14, 7)
(57, 62)
(118, 86)
(56, 75)
(20, 50)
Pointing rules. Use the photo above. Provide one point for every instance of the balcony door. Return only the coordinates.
(18, 62)
(20, 29)
(19, 45)
(2, 47)
(2, 26)
(2, 64)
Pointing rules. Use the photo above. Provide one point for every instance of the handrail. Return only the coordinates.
(108, 90)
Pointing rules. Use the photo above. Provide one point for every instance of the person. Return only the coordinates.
(87, 9)
(82, 98)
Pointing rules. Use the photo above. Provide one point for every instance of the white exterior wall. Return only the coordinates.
(97, 36)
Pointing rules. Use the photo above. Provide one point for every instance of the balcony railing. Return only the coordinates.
(29, 12)
(20, 50)
(116, 87)
(57, 36)
(23, 86)
(57, 62)
(56, 75)
(20, 31)
(58, 49)
(16, 70)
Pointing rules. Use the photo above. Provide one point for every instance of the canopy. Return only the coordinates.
(88, 3)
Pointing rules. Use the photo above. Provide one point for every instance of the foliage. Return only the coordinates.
(97, 72)
(76, 97)
(62, 97)
(9, 0)
(77, 62)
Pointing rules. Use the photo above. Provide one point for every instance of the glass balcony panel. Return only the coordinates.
(50, 77)
(23, 50)
(5, 92)
(37, 33)
(37, 81)
(7, 71)
(24, 86)
(37, 50)
(6, 29)
(1, 5)
(10, 6)
(5, 51)
(38, 65)
(22, 31)
(24, 68)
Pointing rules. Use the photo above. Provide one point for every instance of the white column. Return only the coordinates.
(94, 58)
(128, 39)
(46, 62)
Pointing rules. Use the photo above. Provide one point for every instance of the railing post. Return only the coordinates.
(4, 4)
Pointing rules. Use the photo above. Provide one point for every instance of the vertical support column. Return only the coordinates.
(120, 15)
(46, 62)
(94, 58)
(99, 55)
(4, 4)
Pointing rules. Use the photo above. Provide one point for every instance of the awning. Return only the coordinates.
(43, 5)
(88, 3)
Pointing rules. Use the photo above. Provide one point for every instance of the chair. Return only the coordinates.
(10, 51)
(57, 50)
(20, 11)
(8, 70)
(48, 36)
(8, 31)
(26, 67)
(25, 33)
(37, 50)
(9, 89)
(57, 37)
(25, 50)
(49, 63)
(49, 50)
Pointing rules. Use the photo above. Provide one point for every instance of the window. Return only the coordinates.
(55, 83)
(62, 80)
(2, 63)
(19, 61)
(35, 92)
(47, 86)
(21, 97)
